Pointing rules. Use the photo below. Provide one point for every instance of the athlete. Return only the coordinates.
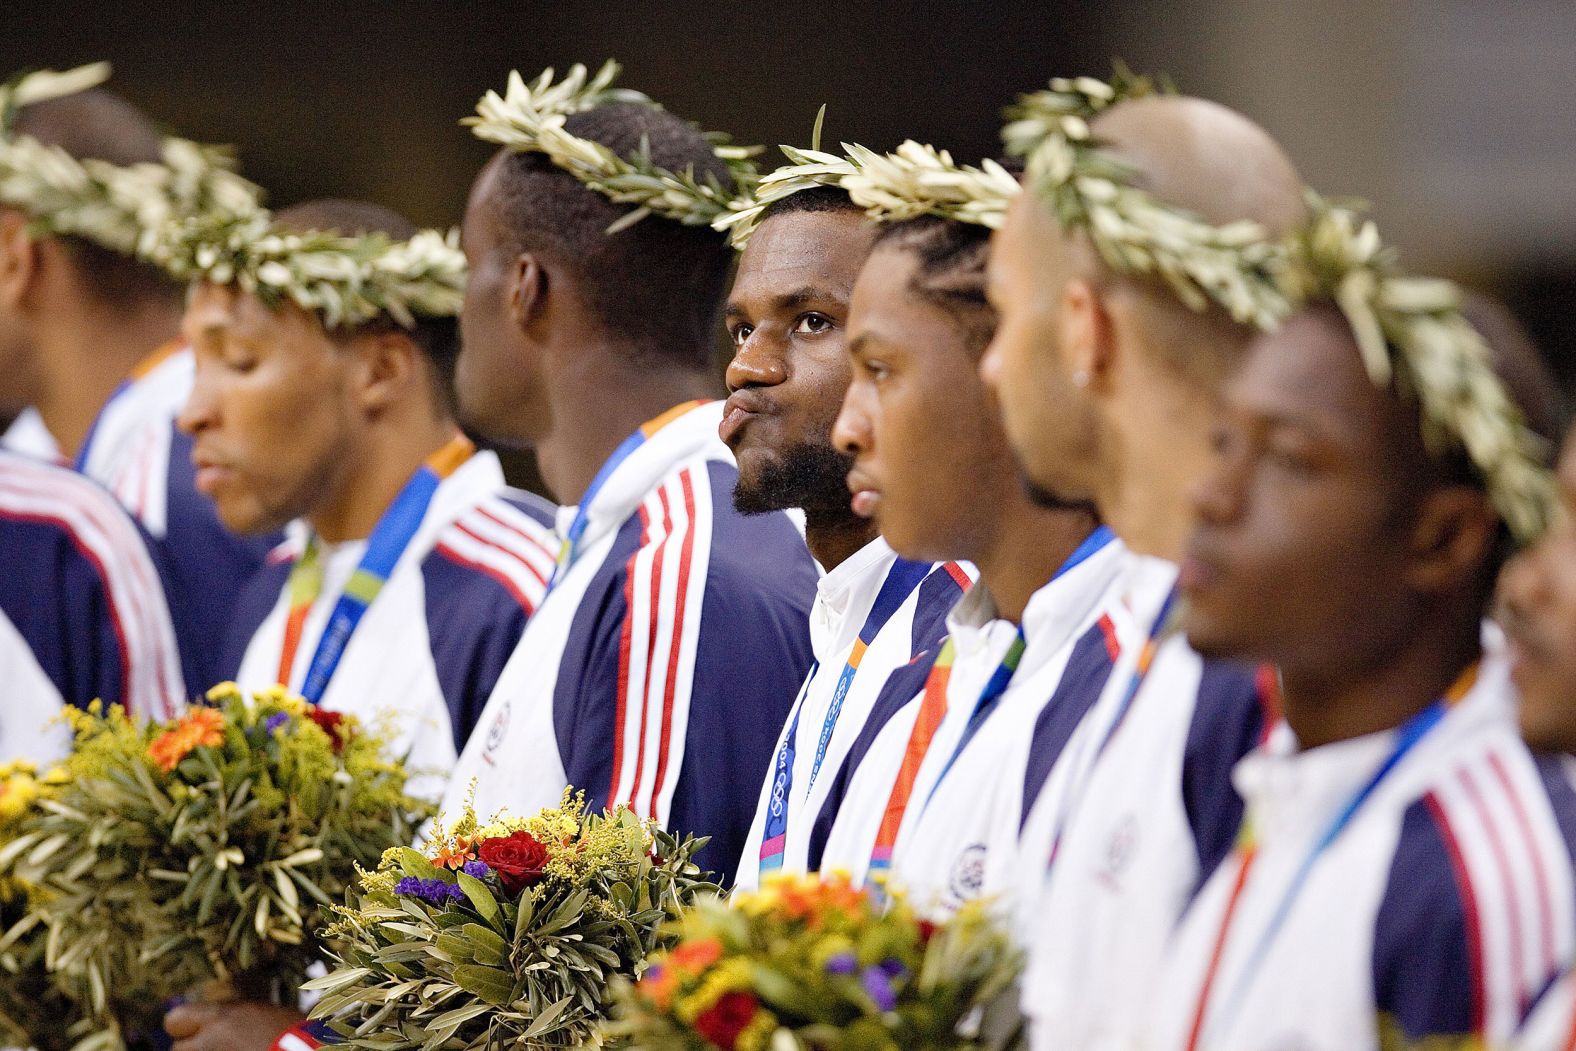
(1109, 380)
(926, 782)
(82, 610)
(90, 330)
(1403, 872)
(659, 669)
(409, 570)
(874, 612)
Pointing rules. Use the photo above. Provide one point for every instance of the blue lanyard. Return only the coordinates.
(1001, 678)
(390, 537)
(569, 550)
(1410, 733)
(901, 580)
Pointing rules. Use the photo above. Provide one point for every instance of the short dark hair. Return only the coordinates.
(952, 258)
(437, 337)
(100, 125)
(812, 199)
(658, 285)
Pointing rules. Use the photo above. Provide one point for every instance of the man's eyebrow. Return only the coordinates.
(792, 300)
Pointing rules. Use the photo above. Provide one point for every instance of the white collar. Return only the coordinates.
(691, 433)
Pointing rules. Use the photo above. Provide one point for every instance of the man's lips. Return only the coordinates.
(1523, 646)
(739, 410)
(866, 497)
(210, 474)
(1199, 568)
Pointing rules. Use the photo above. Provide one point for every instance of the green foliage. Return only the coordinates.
(1086, 188)
(494, 969)
(210, 849)
(529, 118)
(122, 208)
(817, 964)
(346, 281)
(1411, 333)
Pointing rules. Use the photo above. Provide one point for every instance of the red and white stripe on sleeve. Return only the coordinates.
(153, 684)
(664, 590)
(1513, 871)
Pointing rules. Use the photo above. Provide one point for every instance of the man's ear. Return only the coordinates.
(1085, 334)
(1453, 536)
(18, 258)
(527, 290)
(390, 362)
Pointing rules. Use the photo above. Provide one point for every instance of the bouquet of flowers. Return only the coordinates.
(505, 934)
(33, 1010)
(209, 849)
(808, 963)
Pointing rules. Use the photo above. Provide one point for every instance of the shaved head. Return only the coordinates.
(1107, 381)
(1201, 157)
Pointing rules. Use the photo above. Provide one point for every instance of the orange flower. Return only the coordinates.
(658, 986)
(456, 855)
(695, 956)
(202, 728)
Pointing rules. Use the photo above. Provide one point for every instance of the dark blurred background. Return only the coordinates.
(1454, 117)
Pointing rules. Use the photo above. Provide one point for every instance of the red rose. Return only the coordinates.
(723, 1021)
(519, 859)
(927, 931)
(331, 723)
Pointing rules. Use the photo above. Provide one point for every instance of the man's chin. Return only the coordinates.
(1211, 639)
(1547, 724)
(1051, 498)
(751, 499)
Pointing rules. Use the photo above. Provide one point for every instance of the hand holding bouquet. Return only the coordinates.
(505, 934)
(213, 847)
(809, 963)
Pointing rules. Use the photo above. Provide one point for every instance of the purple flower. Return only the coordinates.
(878, 985)
(431, 891)
(841, 963)
(894, 968)
(478, 869)
(275, 721)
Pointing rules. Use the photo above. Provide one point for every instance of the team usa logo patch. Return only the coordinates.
(968, 873)
(1119, 851)
(496, 732)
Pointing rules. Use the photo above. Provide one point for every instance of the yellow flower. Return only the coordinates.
(726, 977)
(758, 1033)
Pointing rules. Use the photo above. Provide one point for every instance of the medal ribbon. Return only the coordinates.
(933, 708)
(390, 537)
(1002, 677)
(569, 549)
(1408, 736)
(901, 579)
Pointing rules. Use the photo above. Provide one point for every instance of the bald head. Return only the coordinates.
(1200, 156)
